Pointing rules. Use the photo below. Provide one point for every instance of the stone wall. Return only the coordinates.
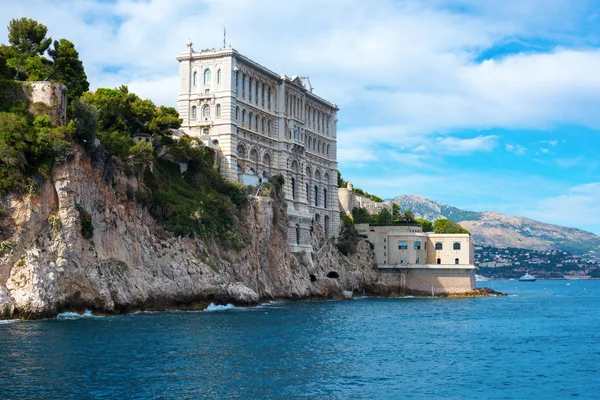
(349, 200)
(53, 95)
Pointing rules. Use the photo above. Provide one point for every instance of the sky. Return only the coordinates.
(481, 104)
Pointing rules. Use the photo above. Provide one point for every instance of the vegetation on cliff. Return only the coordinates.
(194, 202)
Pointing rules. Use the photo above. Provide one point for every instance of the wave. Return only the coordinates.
(74, 315)
(219, 307)
(8, 321)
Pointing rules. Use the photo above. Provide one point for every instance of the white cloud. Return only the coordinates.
(515, 148)
(461, 146)
(580, 207)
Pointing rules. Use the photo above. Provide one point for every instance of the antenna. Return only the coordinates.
(224, 36)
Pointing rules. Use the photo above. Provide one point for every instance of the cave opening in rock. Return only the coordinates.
(333, 274)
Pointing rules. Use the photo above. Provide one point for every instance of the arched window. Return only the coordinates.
(243, 117)
(326, 226)
(193, 112)
(262, 94)
(269, 126)
(254, 155)
(218, 111)
(206, 111)
(324, 197)
(219, 77)
(456, 261)
(328, 149)
(243, 85)
(269, 98)
(237, 112)
(309, 142)
(402, 260)
(263, 124)
(297, 234)
(316, 196)
(307, 193)
(439, 260)
(293, 188)
(249, 120)
(438, 246)
(256, 88)
(195, 78)
(237, 80)
(207, 77)
(250, 88)
(256, 123)
(456, 246)
(241, 150)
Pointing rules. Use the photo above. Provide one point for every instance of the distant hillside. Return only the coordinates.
(499, 230)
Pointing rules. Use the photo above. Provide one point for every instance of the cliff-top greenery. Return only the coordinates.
(105, 122)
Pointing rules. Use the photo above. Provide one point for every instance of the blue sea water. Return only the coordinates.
(542, 342)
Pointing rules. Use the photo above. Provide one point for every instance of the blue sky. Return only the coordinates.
(484, 105)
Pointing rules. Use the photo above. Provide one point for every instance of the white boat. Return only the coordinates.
(527, 278)
(481, 278)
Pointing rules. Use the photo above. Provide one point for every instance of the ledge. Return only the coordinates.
(427, 266)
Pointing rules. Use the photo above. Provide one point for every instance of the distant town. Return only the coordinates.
(506, 263)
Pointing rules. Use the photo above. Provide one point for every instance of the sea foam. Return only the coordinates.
(74, 315)
(219, 307)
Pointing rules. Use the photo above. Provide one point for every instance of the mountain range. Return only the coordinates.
(494, 229)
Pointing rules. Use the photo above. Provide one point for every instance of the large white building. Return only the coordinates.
(265, 124)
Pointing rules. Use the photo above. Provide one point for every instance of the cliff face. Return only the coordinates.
(129, 262)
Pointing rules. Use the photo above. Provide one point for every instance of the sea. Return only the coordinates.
(542, 341)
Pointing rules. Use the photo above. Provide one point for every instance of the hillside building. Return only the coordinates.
(265, 124)
(423, 262)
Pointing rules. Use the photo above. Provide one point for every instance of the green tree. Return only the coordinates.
(408, 216)
(166, 118)
(85, 117)
(142, 153)
(425, 224)
(444, 225)
(395, 212)
(67, 68)
(361, 216)
(341, 183)
(28, 37)
(384, 217)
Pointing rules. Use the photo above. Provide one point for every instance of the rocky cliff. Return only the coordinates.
(123, 260)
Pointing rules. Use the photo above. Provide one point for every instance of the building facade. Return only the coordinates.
(423, 261)
(265, 124)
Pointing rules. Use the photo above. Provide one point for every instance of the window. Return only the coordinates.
(207, 77)
(402, 245)
(206, 111)
(456, 261)
(293, 189)
(297, 233)
(417, 245)
(439, 260)
(237, 112)
(256, 123)
(456, 246)
(402, 260)
(193, 112)
(249, 120)
(316, 196)
(206, 91)
(262, 126)
(219, 77)
(325, 198)
(195, 78)
(438, 246)
(218, 110)
(250, 88)
(417, 260)
(243, 117)
(205, 131)
(243, 85)
(269, 126)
